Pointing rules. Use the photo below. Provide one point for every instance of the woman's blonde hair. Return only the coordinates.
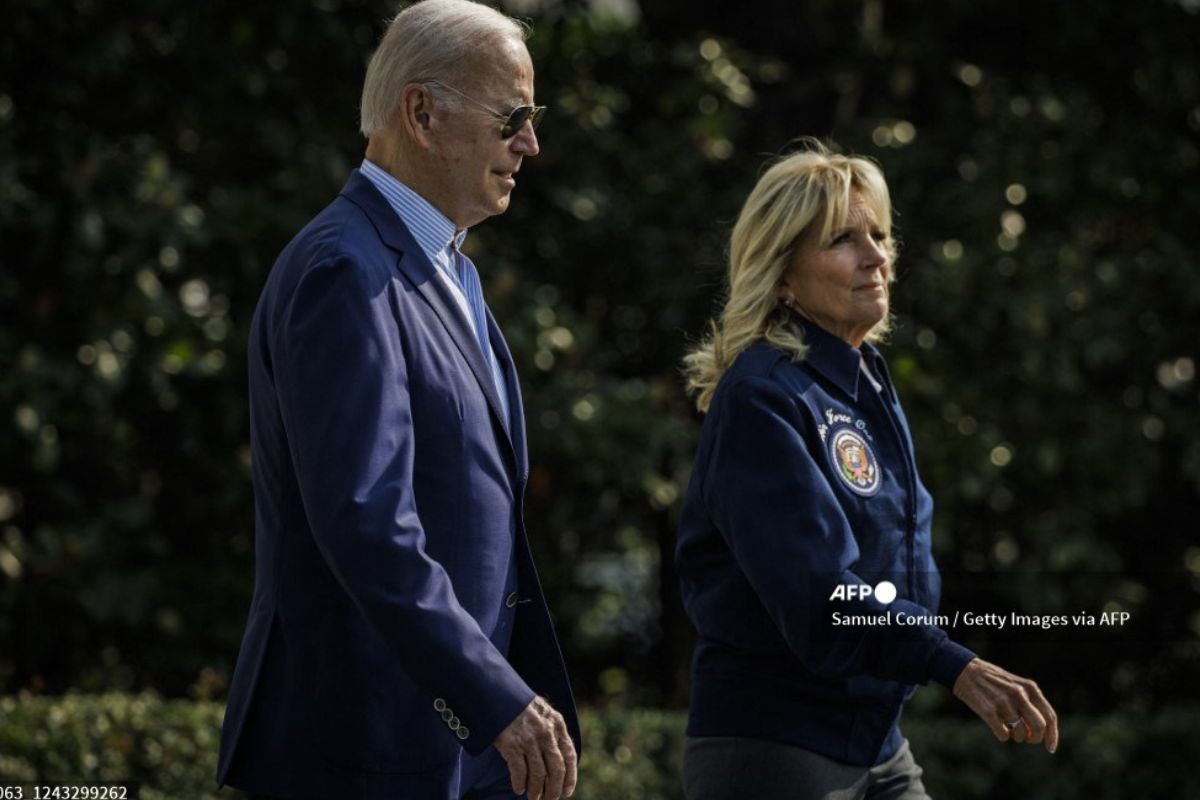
(809, 187)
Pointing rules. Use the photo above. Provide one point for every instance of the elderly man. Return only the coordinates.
(398, 643)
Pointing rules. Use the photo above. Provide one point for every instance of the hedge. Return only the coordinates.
(168, 749)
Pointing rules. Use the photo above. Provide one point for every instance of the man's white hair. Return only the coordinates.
(430, 39)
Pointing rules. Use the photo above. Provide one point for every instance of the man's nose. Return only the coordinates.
(525, 141)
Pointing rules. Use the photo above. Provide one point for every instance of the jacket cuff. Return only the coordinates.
(948, 661)
(508, 706)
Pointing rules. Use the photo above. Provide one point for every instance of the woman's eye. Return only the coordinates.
(879, 236)
(841, 238)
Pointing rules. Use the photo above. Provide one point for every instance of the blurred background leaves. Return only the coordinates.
(1044, 161)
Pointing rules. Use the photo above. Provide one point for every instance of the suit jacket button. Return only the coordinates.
(439, 705)
(454, 723)
(447, 715)
(511, 600)
(463, 733)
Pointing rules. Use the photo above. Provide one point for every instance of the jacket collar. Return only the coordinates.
(360, 191)
(834, 358)
(430, 228)
(418, 269)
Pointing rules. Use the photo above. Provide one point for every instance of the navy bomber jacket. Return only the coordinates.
(805, 481)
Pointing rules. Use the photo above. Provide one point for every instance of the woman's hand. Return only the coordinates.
(1001, 698)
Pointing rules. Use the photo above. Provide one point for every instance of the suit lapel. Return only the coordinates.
(435, 293)
(513, 386)
(413, 264)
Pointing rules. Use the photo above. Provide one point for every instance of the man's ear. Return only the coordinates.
(416, 115)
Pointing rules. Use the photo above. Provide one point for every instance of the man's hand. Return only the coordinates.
(539, 753)
(999, 697)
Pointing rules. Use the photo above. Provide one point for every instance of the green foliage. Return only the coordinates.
(155, 157)
(597, 264)
(145, 225)
(158, 749)
(168, 749)
(632, 754)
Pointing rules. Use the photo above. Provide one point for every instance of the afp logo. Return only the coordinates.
(884, 591)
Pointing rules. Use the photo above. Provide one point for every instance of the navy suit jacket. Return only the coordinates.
(397, 617)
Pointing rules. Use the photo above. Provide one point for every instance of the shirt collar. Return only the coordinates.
(432, 229)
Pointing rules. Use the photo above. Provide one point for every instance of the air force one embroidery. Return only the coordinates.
(853, 460)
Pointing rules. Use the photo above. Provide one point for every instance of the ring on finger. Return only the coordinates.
(1012, 725)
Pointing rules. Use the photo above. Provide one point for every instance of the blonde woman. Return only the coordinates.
(804, 493)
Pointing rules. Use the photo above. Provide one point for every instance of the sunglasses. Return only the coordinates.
(513, 121)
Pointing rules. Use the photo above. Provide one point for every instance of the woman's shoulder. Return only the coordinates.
(764, 368)
(759, 359)
(767, 362)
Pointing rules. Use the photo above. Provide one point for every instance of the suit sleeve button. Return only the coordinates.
(462, 732)
(439, 705)
(454, 723)
(447, 715)
(511, 600)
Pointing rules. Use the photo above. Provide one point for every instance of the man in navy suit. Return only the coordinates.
(398, 643)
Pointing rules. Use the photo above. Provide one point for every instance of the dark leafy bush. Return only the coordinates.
(167, 749)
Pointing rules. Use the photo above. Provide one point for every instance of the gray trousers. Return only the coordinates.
(731, 768)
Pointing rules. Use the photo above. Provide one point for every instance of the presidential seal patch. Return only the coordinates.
(853, 461)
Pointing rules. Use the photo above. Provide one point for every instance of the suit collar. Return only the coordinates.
(360, 191)
(430, 228)
(421, 273)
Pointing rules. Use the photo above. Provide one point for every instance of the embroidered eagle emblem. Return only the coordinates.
(854, 462)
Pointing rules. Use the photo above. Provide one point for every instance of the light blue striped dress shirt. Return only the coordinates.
(441, 242)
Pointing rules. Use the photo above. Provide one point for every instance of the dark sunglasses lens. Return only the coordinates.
(516, 120)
